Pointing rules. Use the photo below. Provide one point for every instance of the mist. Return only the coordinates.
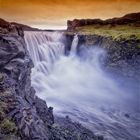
(80, 87)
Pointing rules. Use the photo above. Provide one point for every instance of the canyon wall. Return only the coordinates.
(122, 56)
(115, 36)
(19, 104)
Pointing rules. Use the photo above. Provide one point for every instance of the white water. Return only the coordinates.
(44, 48)
(74, 45)
(80, 88)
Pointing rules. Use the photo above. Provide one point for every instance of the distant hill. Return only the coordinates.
(9, 26)
(133, 18)
(25, 27)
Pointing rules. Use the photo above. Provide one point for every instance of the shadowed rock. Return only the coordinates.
(133, 18)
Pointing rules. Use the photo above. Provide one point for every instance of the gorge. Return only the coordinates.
(90, 79)
(79, 87)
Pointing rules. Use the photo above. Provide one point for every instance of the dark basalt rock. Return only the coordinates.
(64, 128)
(15, 67)
(45, 113)
(122, 57)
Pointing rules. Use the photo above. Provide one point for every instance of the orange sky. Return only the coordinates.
(55, 13)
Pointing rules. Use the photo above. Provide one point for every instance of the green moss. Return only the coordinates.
(11, 137)
(138, 46)
(116, 32)
(8, 126)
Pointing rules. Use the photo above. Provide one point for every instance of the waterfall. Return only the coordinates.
(44, 49)
(74, 45)
(80, 88)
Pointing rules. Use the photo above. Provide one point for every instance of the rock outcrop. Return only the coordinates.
(15, 68)
(133, 18)
(25, 27)
(122, 56)
(24, 116)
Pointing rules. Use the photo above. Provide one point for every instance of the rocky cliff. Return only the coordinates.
(120, 37)
(24, 116)
(133, 18)
(122, 56)
(21, 105)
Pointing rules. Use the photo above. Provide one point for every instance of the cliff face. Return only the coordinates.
(23, 116)
(120, 37)
(122, 57)
(22, 105)
(127, 19)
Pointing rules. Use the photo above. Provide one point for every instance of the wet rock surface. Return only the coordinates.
(24, 116)
(122, 56)
(15, 67)
(64, 128)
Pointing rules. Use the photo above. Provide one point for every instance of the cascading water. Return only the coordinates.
(80, 88)
(44, 49)
(74, 45)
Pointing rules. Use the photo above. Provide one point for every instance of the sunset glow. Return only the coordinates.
(55, 13)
